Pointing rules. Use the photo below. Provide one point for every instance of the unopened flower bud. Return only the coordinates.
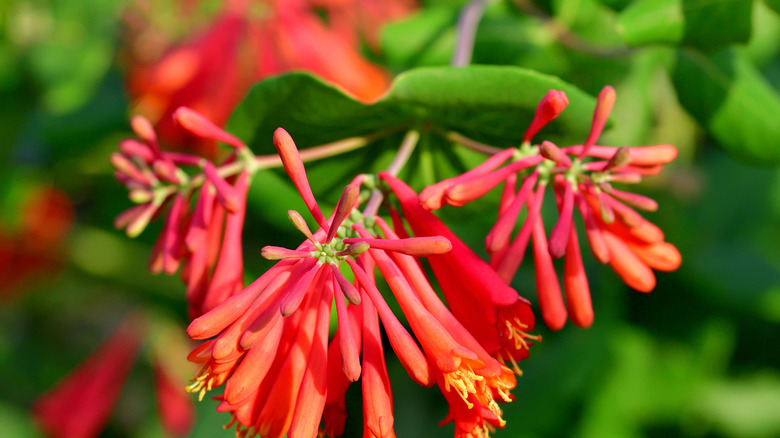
(144, 130)
(355, 249)
(291, 160)
(343, 208)
(140, 196)
(552, 104)
(300, 224)
(554, 153)
(604, 104)
(622, 157)
(270, 252)
(199, 125)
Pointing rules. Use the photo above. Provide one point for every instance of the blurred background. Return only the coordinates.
(698, 357)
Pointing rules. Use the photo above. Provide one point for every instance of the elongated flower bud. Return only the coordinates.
(622, 157)
(270, 252)
(343, 208)
(547, 288)
(415, 246)
(293, 165)
(551, 105)
(554, 153)
(203, 127)
(300, 224)
(145, 131)
(347, 345)
(604, 103)
(575, 284)
(227, 194)
(347, 288)
(559, 236)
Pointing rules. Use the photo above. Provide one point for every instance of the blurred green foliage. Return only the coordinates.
(696, 358)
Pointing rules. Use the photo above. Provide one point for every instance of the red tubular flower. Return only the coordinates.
(210, 70)
(177, 413)
(614, 230)
(489, 309)
(270, 343)
(205, 242)
(81, 404)
(35, 246)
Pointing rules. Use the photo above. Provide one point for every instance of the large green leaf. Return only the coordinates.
(489, 103)
(704, 24)
(712, 24)
(726, 93)
(774, 4)
(652, 21)
(423, 39)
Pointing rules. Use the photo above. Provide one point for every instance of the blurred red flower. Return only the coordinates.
(33, 246)
(210, 70)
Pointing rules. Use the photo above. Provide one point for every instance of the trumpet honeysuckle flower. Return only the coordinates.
(176, 410)
(269, 342)
(493, 312)
(81, 404)
(581, 178)
(212, 68)
(33, 249)
(205, 241)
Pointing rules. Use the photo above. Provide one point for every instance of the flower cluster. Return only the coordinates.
(268, 344)
(581, 176)
(205, 240)
(270, 341)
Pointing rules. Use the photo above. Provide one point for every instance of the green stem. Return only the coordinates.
(401, 157)
(471, 144)
(270, 161)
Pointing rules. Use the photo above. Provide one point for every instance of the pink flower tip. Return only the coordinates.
(653, 155)
(143, 129)
(551, 105)
(199, 125)
(552, 152)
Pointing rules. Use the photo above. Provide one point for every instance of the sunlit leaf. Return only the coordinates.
(726, 94)
(701, 23)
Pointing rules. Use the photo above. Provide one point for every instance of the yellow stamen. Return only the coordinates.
(515, 367)
(516, 331)
(464, 382)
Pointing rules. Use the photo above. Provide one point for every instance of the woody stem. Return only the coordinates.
(309, 154)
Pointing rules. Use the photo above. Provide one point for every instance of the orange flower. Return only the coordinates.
(205, 242)
(270, 345)
(586, 185)
(210, 71)
(81, 404)
(492, 311)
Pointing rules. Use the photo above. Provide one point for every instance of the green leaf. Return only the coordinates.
(726, 94)
(704, 24)
(424, 39)
(493, 104)
(774, 4)
(490, 104)
(652, 21)
(713, 24)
